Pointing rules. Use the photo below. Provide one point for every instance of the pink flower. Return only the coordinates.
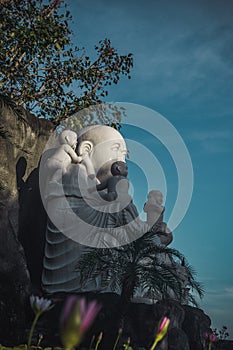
(163, 327)
(162, 330)
(70, 302)
(89, 312)
(78, 315)
(213, 338)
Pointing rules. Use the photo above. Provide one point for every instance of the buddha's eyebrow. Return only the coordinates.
(116, 144)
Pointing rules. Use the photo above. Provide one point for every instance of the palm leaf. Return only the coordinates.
(142, 263)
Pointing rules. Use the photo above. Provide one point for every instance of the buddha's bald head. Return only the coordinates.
(104, 145)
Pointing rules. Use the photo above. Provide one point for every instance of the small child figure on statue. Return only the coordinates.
(64, 155)
(154, 208)
(117, 184)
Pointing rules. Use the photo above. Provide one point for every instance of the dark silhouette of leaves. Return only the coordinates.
(42, 70)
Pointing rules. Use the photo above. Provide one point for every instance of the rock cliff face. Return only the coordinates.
(22, 138)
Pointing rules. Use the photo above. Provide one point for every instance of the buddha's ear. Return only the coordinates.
(85, 148)
(67, 140)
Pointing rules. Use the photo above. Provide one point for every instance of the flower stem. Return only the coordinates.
(92, 341)
(38, 344)
(154, 344)
(116, 342)
(209, 346)
(97, 343)
(32, 330)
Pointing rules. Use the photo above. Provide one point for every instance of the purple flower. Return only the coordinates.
(211, 337)
(40, 305)
(78, 315)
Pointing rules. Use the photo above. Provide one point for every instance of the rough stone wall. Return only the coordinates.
(22, 135)
(22, 139)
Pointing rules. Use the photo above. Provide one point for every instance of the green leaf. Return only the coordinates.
(42, 62)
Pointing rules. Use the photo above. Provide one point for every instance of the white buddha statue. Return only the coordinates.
(153, 207)
(64, 155)
(79, 217)
(155, 210)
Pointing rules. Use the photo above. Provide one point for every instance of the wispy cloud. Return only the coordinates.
(182, 52)
(218, 305)
(220, 295)
(192, 64)
(229, 292)
(212, 141)
(203, 135)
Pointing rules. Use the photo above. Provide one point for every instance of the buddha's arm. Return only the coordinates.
(72, 154)
(102, 185)
(99, 187)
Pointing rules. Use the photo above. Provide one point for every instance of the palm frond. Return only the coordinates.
(143, 263)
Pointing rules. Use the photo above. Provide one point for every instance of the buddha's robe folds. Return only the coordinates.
(77, 221)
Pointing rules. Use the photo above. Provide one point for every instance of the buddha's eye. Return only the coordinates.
(115, 147)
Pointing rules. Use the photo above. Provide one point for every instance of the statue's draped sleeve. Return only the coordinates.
(84, 222)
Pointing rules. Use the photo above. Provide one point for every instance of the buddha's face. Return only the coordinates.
(112, 148)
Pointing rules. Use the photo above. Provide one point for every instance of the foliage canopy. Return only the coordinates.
(42, 69)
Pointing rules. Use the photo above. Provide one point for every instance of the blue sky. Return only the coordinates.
(183, 69)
